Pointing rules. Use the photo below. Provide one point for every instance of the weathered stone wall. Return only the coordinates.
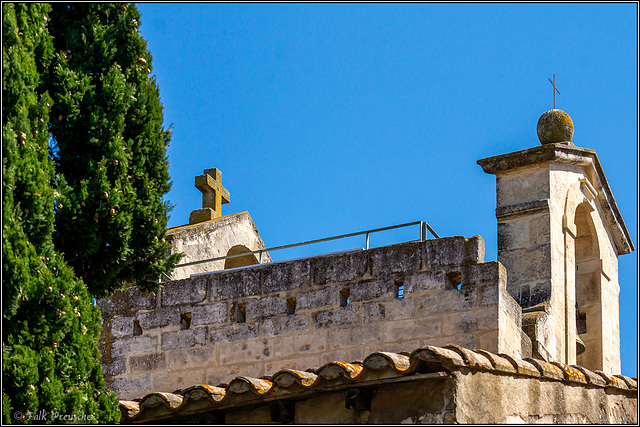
(481, 398)
(256, 320)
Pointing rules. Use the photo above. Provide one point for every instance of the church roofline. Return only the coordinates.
(568, 154)
(377, 369)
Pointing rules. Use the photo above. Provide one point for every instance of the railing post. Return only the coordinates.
(260, 257)
(367, 241)
(423, 231)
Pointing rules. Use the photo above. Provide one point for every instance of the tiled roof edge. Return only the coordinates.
(400, 367)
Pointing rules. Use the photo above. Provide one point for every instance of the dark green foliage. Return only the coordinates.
(50, 325)
(109, 147)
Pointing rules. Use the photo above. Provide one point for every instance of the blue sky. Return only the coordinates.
(330, 119)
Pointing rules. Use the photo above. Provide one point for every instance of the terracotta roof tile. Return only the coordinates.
(522, 366)
(286, 377)
(338, 375)
(471, 358)
(612, 380)
(591, 377)
(546, 369)
(448, 358)
(631, 382)
(571, 374)
(170, 400)
(380, 360)
(335, 369)
(240, 385)
(204, 391)
(499, 363)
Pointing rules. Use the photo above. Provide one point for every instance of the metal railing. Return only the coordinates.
(424, 227)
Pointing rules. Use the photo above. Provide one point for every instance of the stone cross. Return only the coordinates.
(214, 195)
(555, 89)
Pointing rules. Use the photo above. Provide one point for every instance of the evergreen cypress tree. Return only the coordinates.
(50, 325)
(109, 147)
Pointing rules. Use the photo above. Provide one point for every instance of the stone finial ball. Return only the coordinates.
(555, 126)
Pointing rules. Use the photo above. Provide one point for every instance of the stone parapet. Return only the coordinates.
(293, 314)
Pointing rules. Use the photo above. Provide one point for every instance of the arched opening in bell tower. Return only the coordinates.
(588, 293)
(240, 261)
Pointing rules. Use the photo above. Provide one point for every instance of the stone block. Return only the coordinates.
(134, 345)
(444, 251)
(354, 336)
(126, 303)
(245, 351)
(279, 325)
(115, 368)
(121, 326)
(372, 289)
(526, 265)
(232, 284)
(181, 292)
(513, 234)
(131, 386)
(159, 318)
(485, 273)
(442, 302)
(399, 308)
(191, 357)
(319, 298)
(539, 229)
(424, 281)
(403, 257)
(147, 363)
(178, 380)
(374, 311)
(489, 295)
(526, 185)
(289, 346)
(410, 329)
(285, 275)
(208, 314)
(233, 332)
(265, 307)
(470, 321)
(184, 338)
(338, 268)
(456, 250)
(335, 317)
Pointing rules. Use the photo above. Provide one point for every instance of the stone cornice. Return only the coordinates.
(568, 154)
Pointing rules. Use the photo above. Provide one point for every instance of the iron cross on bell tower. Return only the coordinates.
(555, 89)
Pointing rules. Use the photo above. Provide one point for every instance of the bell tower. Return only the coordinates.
(559, 236)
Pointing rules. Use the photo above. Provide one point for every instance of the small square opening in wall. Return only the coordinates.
(291, 305)
(239, 312)
(399, 288)
(137, 330)
(454, 280)
(345, 296)
(185, 320)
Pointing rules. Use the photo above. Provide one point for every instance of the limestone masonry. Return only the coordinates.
(293, 314)
(384, 335)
